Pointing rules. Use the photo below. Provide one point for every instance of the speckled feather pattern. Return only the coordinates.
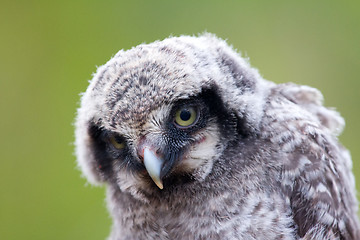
(273, 170)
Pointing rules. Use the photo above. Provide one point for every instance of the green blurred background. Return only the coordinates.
(49, 49)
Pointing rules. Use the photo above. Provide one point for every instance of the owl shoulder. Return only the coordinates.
(316, 170)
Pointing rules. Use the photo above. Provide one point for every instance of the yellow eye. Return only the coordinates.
(185, 117)
(117, 142)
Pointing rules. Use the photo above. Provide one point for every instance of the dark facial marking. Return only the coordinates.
(210, 108)
(242, 80)
(107, 155)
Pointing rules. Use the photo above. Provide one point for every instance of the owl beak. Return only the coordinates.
(153, 165)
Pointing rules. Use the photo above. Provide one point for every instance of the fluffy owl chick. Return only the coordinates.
(192, 143)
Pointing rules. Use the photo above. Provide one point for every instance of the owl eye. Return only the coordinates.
(117, 142)
(186, 117)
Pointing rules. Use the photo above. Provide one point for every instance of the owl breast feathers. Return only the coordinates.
(192, 143)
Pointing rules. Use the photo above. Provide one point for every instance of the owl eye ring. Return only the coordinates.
(186, 117)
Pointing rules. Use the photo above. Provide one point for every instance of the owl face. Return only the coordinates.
(173, 143)
(159, 115)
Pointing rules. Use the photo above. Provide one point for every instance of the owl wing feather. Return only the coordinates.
(316, 175)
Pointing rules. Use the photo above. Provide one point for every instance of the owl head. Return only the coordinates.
(161, 114)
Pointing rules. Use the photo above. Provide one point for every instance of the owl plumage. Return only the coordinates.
(192, 143)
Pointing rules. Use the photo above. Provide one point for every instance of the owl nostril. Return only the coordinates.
(145, 142)
(140, 147)
(140, 153)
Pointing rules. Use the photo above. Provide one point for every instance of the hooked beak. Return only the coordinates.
(153, 165)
